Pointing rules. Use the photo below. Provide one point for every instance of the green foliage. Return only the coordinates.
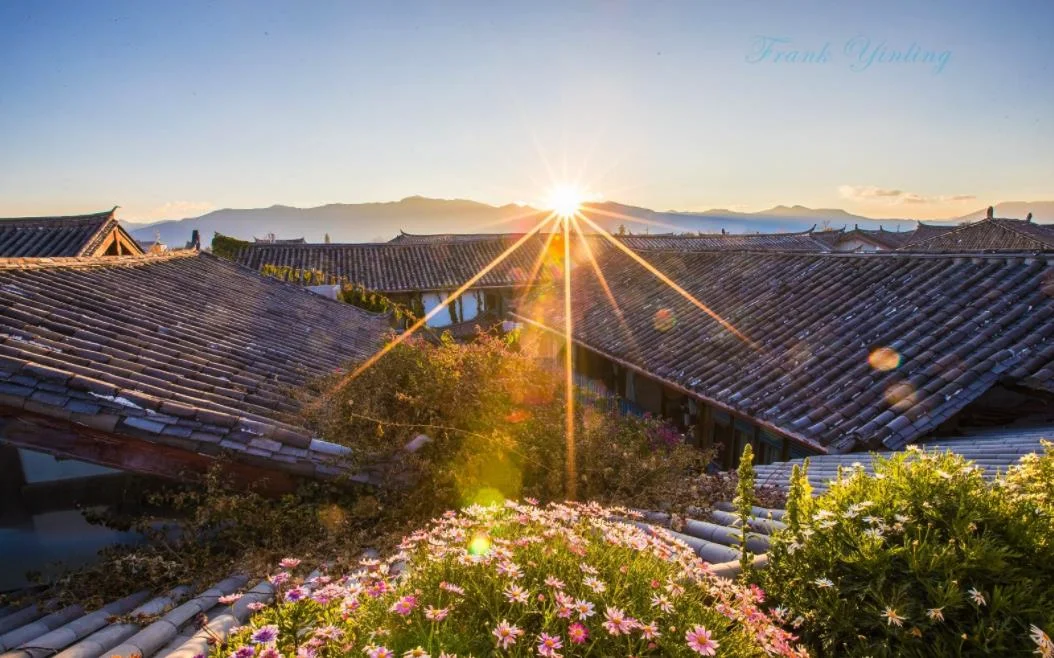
(1031, 483)
(369, 300)
(496, 422)
(926, 558)
(799, 496)
(518, 580)
(227, 247)
(744, 503)
(297, 275)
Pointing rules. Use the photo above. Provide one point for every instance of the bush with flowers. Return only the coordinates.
(925, 558)
(518, 580)
(495, 422)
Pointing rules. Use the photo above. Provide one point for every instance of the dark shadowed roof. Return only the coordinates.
(182, 349)
(73, 235)
(804, 241)
(957, 325)
(996, 234)
(404, 267)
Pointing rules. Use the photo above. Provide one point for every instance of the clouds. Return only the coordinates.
(870, 193)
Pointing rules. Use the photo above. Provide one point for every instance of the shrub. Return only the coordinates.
(495, 421)
(520, 580)
(225, 246)
(925, 558)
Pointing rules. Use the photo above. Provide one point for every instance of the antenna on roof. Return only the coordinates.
(991, 212)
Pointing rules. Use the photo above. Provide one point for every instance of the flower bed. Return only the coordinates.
(518, 580)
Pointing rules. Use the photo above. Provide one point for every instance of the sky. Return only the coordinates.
(887, 109)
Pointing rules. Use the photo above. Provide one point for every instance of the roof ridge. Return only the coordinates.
(912, 246)
(1013, 228)
(56, 262)
(101, 215)
(497, 237)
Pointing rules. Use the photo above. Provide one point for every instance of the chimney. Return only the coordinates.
(195, 240)
(1028, 217)
(991, 212)
(722, 231)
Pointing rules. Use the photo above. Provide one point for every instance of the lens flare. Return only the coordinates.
(664, 320)
(480, 545)
(883, 359)
(901, 396)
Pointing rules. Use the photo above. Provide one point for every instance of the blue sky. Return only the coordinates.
(170, 109)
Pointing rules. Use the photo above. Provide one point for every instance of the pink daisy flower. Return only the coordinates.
(404, 606)
(548, 644)
(617, 623)
(507, 634)
(699, 641)
(577, 633)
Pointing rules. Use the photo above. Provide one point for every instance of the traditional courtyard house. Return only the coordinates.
(99, 234)
(157, 364)
(864, 240)
(994, 234)
(838, 352)
(420, 274)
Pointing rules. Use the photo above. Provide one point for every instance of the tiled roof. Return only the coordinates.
(183, 349)
(75, 235)
(804, 241)
(395, 267)
(958, 324)
(878, 237)
(996, 234)
(994, 450)
(924, 231)
(418, 238)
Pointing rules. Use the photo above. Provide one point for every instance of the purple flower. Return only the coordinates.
(295, 594)
(265, 635)
(243, 651)
(279, 578)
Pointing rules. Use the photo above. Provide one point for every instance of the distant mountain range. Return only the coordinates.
(370, 222)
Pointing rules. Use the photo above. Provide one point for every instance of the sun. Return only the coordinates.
(565, 200)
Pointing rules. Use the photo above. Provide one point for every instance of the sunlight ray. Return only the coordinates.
(537, 267)
(607, 289)
(529, 211)
(569, 402)
(630, 218)
(671, 283)
(368, 363)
